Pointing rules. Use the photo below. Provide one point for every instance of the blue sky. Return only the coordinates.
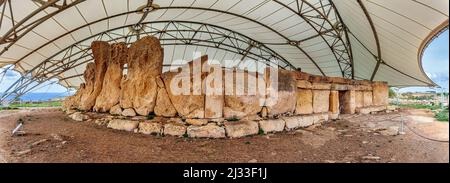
(435, 64)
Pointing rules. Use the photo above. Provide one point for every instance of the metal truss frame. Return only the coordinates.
(322, 17)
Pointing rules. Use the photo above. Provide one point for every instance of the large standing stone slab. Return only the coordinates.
(334, 102)
(189, 103)
(380, 93)
(304, 101)
(139, 90)
(214, 88)
(349, 104)
(368, 98)
(164, 106)
(285, 90)
(110, 94)
(242, 96)
(85, 93)
(359, 99)
(321, 100)
(102, 55)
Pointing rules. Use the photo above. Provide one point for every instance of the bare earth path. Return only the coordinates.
(52, 137)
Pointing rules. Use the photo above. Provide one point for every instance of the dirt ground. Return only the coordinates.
(53, 137)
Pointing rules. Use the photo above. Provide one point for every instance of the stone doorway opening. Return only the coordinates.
(344, 102)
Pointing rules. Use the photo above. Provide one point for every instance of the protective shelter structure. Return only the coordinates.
(376, 40)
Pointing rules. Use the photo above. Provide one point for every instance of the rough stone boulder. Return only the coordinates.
(110, 94)
(151, 128)
(102, 54)
(242, 94)
(116, 110)
(285, 93)
(88, 87)
(120, 124)
(241, 128)
(209, 131)
(129, 112)
(139, 89)
(72, 102)
(174, 129)
(185, 89)
(78, 116)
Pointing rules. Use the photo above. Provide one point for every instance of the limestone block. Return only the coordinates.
(380, 93)
(78, 116)
(116, 110)
(120, 124)
(197, 122)
(359, 99)
(242, 98)
(87, 88)
(281, 92)
(321, 86)
(150, 128)
(102, 55)
(214, 97)
(320, 118)
(129, 112)
(209, 131)
(304, 84)
(295, 122)
(164, 106)
(367, 98)
(349, 102)
(334, 102)
(241, 128)
(272, 125)
(321, 100)
(304, 102)
(139, 89)
(110, 93)
(174, 129)
(189, 103)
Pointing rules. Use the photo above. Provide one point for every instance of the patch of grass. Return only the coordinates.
(442, 116)
(420, 106)
(261, 132)
(39, 104)
(185, 135)
(248, 143)
(8, 108)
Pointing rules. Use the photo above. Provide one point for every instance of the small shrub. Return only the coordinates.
(232, 119)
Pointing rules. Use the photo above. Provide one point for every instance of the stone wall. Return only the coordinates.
(200, 110)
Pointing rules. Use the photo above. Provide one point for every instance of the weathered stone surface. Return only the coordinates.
(332, 116)
(164, 106)
(321, 100)
(129, 112)
(241, 128)
(209, 131)
(73, 102)
(110, 94)
(264, 112)
(120, 124)
(139, 90)
(367, 98)
(116, 110)
(334, 102)
(368, 110)
(272, 125)
(281, 93)
(304, 84)
(150, 128)
(192, 103)
(321, 86)
(102, 55)
(88, 87)
(320, 118)
(174, 129)
(348, 99)
(304, 102)
(380, 93)
(242, 98)
(359, 99)
(102, 122)
(391, 131)
(78, 116)
(214, 98)
(197, 122)
(341, 87)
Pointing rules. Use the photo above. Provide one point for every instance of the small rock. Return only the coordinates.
(78, 116)
(129, 112)
(56, 137)
(39, 142)
(116, 110)
(330, 161)
(391, 131)
(253, 161)
(20, 153)
(365, 142)
(371, 157)
(197, 122)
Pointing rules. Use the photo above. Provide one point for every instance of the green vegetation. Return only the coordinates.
(442, 115)
(392, 93)
(37, 104)
(232, 119)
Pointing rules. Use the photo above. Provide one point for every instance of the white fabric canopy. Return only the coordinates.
(52, 39)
